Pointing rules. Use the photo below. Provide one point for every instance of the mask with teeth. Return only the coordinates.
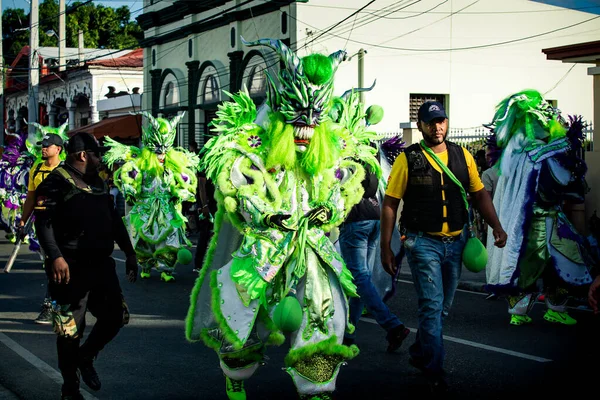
(306, 88)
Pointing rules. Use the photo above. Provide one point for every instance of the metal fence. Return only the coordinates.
(474, 138)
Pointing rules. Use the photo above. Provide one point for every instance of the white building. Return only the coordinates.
(73, 94)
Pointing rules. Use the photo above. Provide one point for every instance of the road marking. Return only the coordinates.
(39, 364)
(479, 345)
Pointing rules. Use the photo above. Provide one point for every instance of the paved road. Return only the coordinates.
(150, 358)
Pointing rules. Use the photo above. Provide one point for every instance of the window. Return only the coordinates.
(210, 89)
(256, 80)
(169, 94)
(417, 99)
(284, 23)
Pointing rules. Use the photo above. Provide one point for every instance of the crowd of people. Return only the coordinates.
(274, 192)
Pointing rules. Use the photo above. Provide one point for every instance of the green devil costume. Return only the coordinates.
(540, 167)
(285, 177)
(156, 179)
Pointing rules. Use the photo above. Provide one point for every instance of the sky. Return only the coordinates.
(134, 5)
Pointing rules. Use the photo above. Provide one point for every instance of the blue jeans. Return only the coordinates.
(358, 244)
(435, 268)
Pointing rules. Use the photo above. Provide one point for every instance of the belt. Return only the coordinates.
(443, 239)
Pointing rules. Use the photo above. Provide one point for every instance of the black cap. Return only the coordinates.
(431, 110)
(83, 141)
(50, 139)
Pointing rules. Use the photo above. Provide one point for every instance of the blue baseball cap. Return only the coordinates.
(431, 110)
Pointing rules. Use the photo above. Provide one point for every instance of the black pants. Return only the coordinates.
(93, 285)
(205, 233)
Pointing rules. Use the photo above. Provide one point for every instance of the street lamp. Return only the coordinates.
(51, 32)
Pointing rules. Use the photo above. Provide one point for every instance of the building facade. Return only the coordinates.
(469, 55)
(72, 94)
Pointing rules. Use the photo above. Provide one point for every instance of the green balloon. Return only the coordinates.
(184, 256)
(374, 114)
(288, 314)
(474, 255)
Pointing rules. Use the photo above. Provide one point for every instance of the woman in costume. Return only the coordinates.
(156, 179)
(540, 168)
(285, 176)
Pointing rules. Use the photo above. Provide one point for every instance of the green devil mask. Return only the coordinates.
(159, 136)
(306, 86)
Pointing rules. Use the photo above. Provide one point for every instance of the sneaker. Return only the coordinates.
(166, 276)
(235, 389)
(145, 274)
(520, 319)
(559, 317)
(395, 337)
(89, 374)
(45, 317)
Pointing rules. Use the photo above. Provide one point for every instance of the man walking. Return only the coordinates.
(434, 220)
(77, 226)
(359, 238)
(52, 145)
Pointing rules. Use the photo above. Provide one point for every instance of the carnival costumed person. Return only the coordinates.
(156, 179)
(14, 172)
(284, 178)
(29, 167)
(540, 167)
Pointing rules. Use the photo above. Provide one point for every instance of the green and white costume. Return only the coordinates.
(285, 177)
(156, 179)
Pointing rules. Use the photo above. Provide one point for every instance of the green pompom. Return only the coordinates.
(184, 256)
(474, 255)
(374, 114)
(317, 68)
(163, 126)
(288, 315)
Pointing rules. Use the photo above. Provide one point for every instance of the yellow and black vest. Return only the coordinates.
(423, 204)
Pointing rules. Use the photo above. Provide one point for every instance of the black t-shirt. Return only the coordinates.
(77, 219)
(368, 208)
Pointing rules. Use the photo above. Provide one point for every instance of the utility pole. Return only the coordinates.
(361, 72)
(34, 67)
(62, 35)
(1, 83)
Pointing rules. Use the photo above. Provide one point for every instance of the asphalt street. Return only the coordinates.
(150, 358)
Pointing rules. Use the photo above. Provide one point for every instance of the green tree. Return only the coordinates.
(103, 27)
(15, 32)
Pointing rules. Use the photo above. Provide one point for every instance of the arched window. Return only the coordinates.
(169, 93)
(211, 89)
(256, 80)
